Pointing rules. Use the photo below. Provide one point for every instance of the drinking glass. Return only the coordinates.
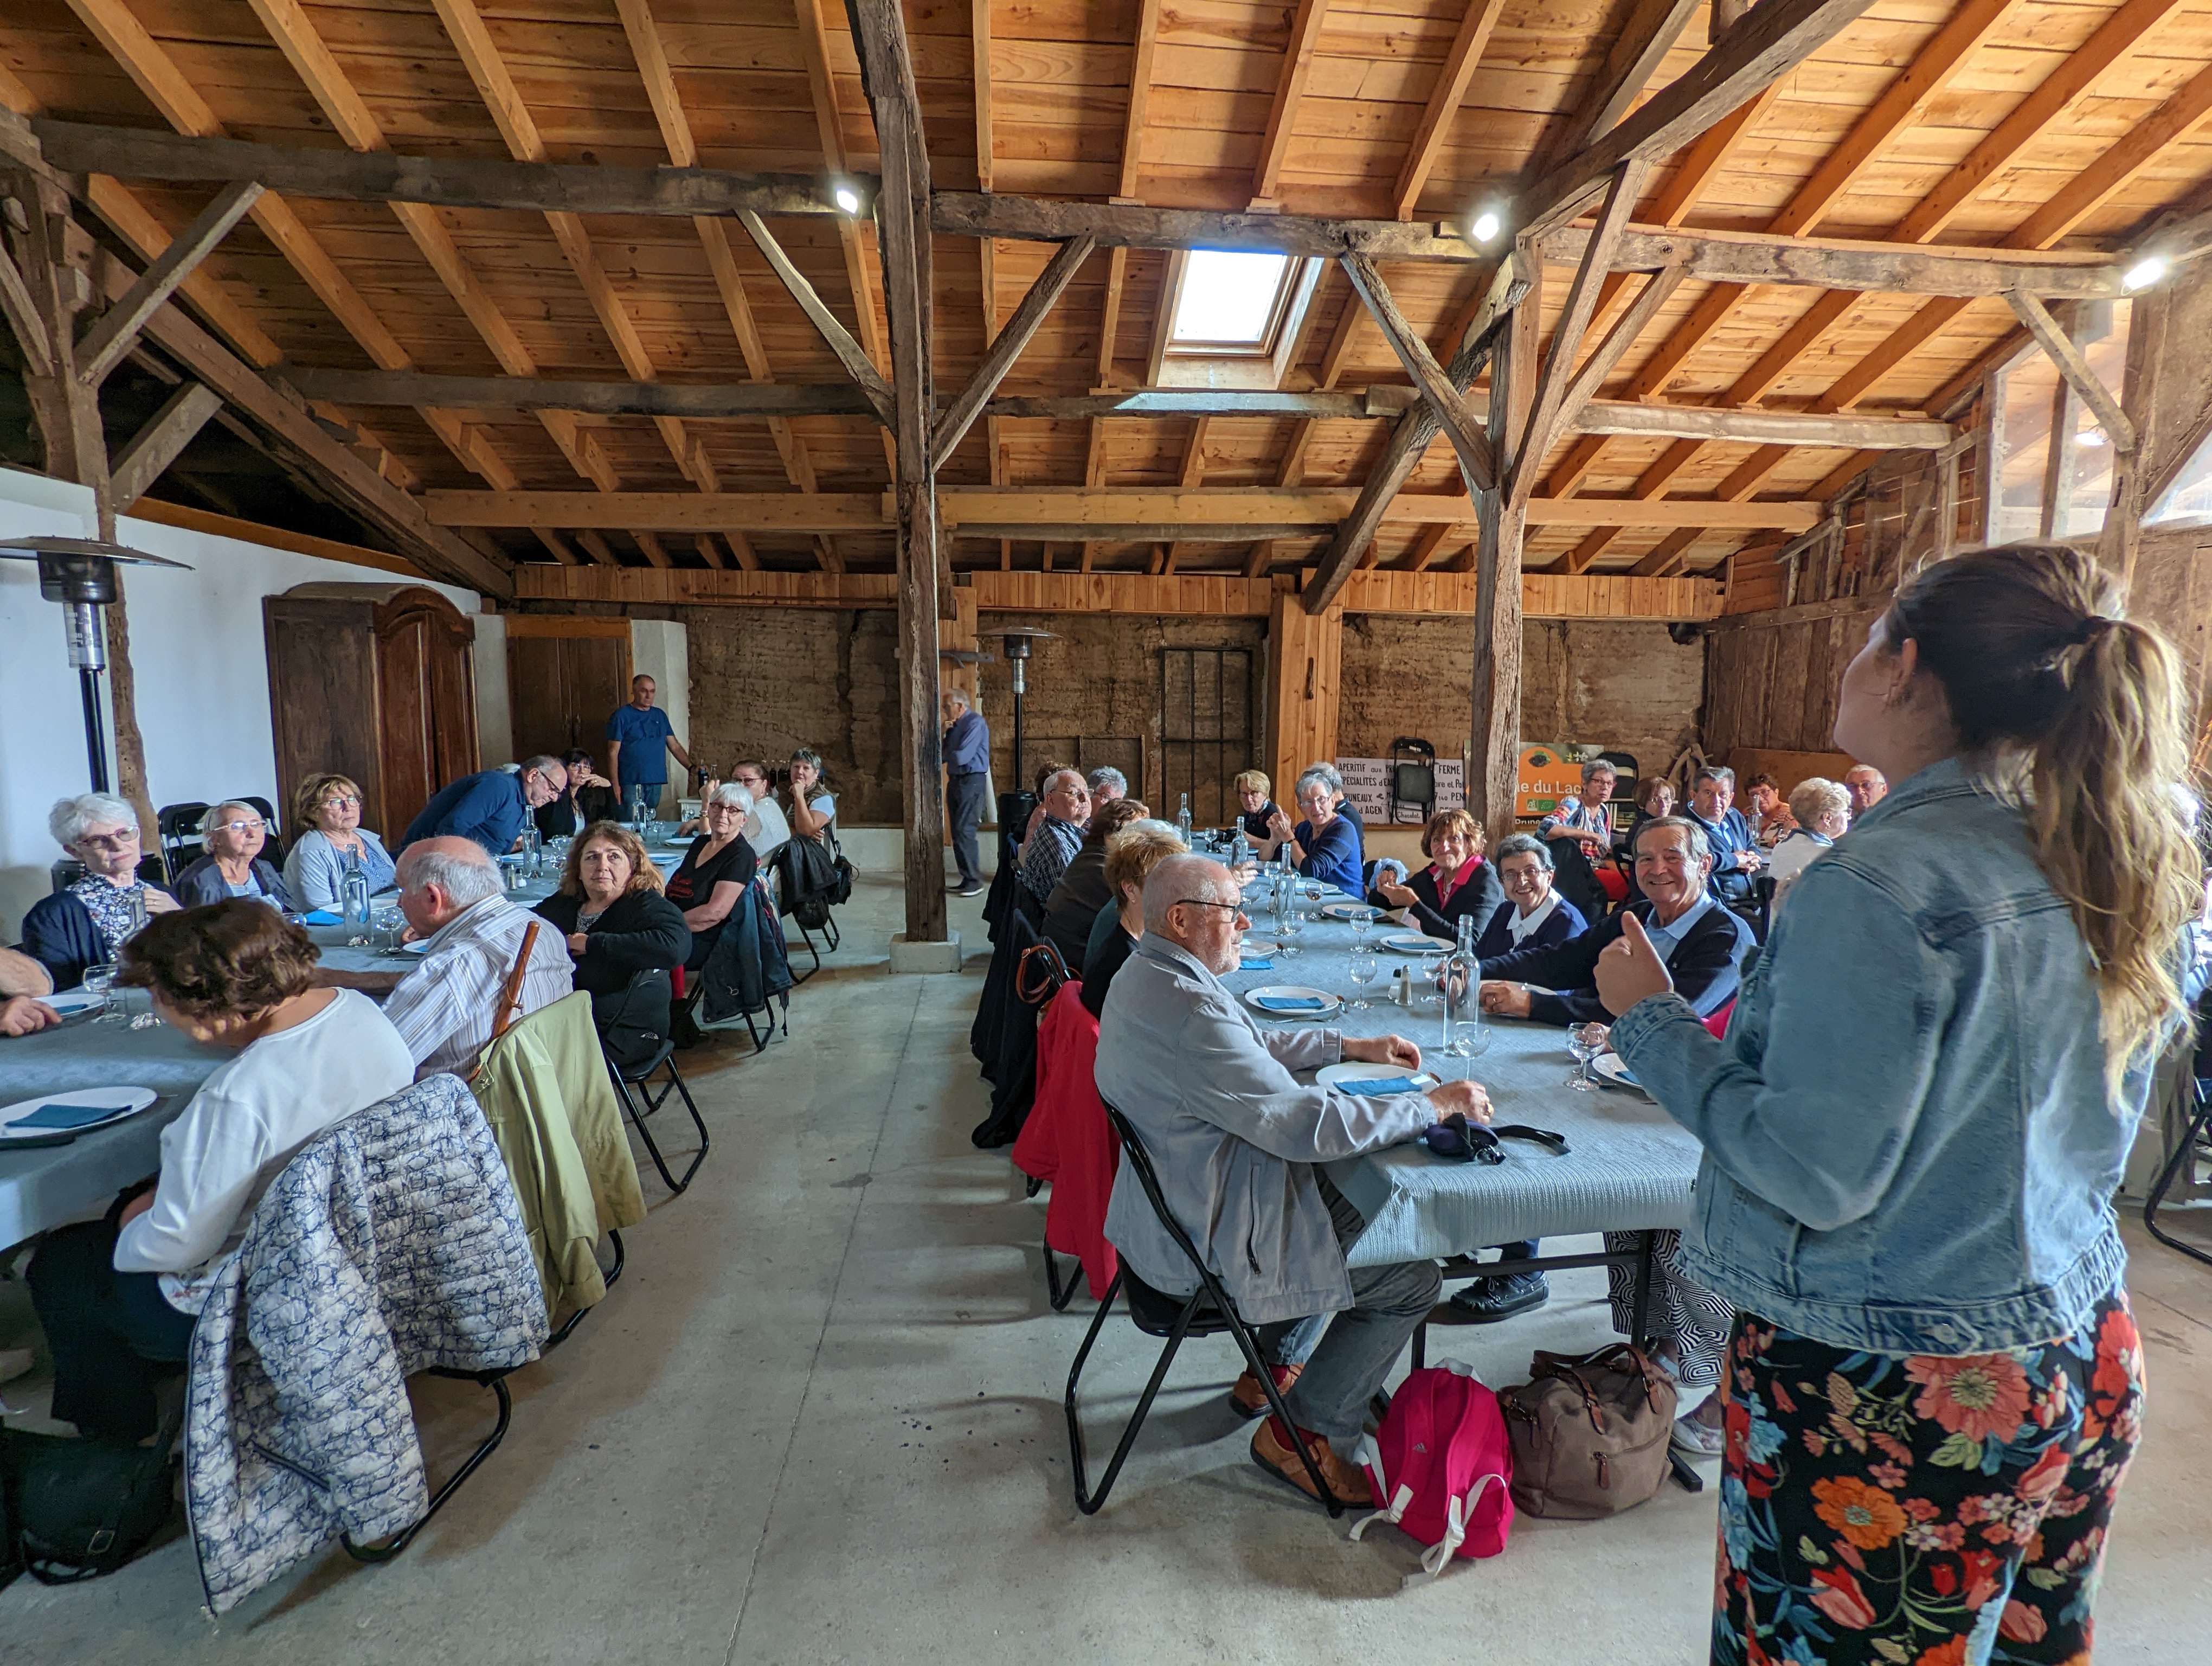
(389, 923)
(100, 981)
(1287, 932)
(1585, 1041)
(1313, 890)
(1363, 921)
(1364, 969)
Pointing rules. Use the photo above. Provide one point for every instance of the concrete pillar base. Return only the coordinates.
(926, 956)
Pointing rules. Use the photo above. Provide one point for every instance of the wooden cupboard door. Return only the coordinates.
(406, 736)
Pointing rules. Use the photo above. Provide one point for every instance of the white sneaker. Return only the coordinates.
(1695, 1440)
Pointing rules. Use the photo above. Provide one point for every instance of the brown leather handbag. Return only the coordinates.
(1590, 1432)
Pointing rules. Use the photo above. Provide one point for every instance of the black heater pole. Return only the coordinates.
(95, 733)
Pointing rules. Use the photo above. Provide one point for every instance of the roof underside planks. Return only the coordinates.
(774, 89)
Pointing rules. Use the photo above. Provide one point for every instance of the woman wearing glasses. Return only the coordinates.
(328, 808)
(232, 833)
(86, 924)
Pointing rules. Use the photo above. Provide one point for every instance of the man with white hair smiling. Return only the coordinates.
(450, 891)
(1238, 1143)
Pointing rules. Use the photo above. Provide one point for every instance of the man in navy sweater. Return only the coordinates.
(967, 773)
(490, 807)
(1734, 848)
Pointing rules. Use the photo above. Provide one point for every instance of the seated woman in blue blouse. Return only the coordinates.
(1326, 844)
(232, 833)
(87, 923)
(1533, 914)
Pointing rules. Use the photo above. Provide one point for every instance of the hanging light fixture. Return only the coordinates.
(79, 573)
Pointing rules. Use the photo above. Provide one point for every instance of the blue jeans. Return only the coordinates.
(963, 799)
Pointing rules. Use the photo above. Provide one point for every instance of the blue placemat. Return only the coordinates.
(1379, 1087)
(66, 1116)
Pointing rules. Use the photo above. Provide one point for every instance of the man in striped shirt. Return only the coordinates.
(450, 891)
(1047, 852)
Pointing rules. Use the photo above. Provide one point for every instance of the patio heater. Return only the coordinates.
(79, 573)
(1017, 640)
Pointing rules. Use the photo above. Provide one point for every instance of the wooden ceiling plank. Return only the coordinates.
(1290, 89)
(952, 425)
(1647, 35)
(1444, 101)
(1772, 39)
(979, 33)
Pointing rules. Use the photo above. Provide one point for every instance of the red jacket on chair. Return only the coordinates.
(1068, 1141)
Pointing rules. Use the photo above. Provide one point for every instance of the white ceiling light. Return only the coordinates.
(846, 199)
(2091, 437)
(1486, 226)
(2144, 273)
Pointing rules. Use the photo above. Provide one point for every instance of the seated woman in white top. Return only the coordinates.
(1822, 809)
(813, 810)
(120, 1296)
(327, 808)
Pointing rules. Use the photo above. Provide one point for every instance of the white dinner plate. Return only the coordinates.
(1258, 948)
(1414, 943)
(1337, 1075)
(1617, 1074)
(1342, 910)
(69, 1002)
(1291, 991)
(119, 1101)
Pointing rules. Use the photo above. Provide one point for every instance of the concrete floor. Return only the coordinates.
(819, 1420)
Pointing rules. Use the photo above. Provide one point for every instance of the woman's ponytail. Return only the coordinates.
(2081, 710)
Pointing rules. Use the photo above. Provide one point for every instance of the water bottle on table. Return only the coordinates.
(1458, 982)
(353, 892)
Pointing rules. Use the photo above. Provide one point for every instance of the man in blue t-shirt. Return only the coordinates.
(640, 736)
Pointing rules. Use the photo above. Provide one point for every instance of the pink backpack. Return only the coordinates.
(1443, 1463)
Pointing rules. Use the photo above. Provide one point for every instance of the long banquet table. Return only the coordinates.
(1629, 1168)
(44, 1186)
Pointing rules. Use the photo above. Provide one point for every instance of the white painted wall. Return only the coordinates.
(494, 703)
(202, 672)
(661, 649)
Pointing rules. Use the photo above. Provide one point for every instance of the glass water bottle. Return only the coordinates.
(1458, 982)
(353, 892)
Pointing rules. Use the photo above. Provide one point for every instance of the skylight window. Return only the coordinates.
(1229, 302)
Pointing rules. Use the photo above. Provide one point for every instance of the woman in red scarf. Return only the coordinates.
(1457, 881)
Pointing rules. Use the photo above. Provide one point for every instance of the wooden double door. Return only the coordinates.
(375, 681)
(565, 679)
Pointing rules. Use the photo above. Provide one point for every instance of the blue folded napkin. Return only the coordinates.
(1623, 1073)
(1290, 1004)
(1380, 1086)
(66, 1116)
(322, 917)
(1256, 965)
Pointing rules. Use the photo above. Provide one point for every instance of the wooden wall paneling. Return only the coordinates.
(1305, 662)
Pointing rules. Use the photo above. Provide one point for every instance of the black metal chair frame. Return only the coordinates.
(649, 991)
(176, 829)
(2197, 1134)
(695, 991)
(1207, 1311)
(497, 1381)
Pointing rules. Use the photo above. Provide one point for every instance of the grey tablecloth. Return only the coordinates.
(50, 1185)
(1630, 1164)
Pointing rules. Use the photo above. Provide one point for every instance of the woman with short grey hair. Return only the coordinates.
(88, 922)
(1822, 809)
(1326, 845)
(1533, 914)
(232, 833)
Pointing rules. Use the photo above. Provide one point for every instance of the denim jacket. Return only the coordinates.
(1909, 1145)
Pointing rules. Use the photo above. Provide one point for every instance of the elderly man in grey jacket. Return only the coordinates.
(1238, 1142)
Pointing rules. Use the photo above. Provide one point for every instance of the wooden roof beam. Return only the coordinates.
(1477, 462)
(112, 334)
(2051, 336)
(1444, 101)
(1290, 89)
(1770, 41)
(953, 425)
(1647, 35)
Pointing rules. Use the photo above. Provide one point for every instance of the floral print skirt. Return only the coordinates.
(1920, 1510)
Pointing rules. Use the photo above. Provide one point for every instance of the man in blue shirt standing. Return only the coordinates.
(1735, 849)
(966, 774)
(640, 736)
(490, 807)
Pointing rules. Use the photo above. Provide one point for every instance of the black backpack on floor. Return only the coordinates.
(74, 1509)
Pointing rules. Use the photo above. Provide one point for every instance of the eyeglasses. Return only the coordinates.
(122, 840)
(254, 826)
(1201, 903)
(339, 803)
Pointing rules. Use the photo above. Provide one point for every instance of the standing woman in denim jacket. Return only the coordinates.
(1915, 1125)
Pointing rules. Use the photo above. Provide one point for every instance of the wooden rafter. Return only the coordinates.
(953, 426)
(2089, 387)
(1646, 36)
(110, 337)
(1450, 91)
(1476, 460)
(1283, 115)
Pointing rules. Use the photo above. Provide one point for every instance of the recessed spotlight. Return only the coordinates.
(846, 199)
(2144, 273)
(1486, 226)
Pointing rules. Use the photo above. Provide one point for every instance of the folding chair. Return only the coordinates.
(177, 828)
(2196, 1142)
(1207, 1311)
(497, 1381)
(632, 1036)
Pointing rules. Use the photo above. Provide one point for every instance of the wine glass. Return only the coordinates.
(1585, 1041)
(1363, 921)
(100, 981)
(1313, 890)
(1364, 969)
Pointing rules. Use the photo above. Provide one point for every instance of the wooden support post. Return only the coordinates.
(2141, 396)
(903, 229)
(2075, 368)
(1494, 767)
(1305, 658)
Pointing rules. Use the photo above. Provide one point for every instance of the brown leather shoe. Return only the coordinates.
(1272, 1454)
(1249, 1400)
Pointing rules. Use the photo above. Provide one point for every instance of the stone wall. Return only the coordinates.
(1627, 686)
(765, 680)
